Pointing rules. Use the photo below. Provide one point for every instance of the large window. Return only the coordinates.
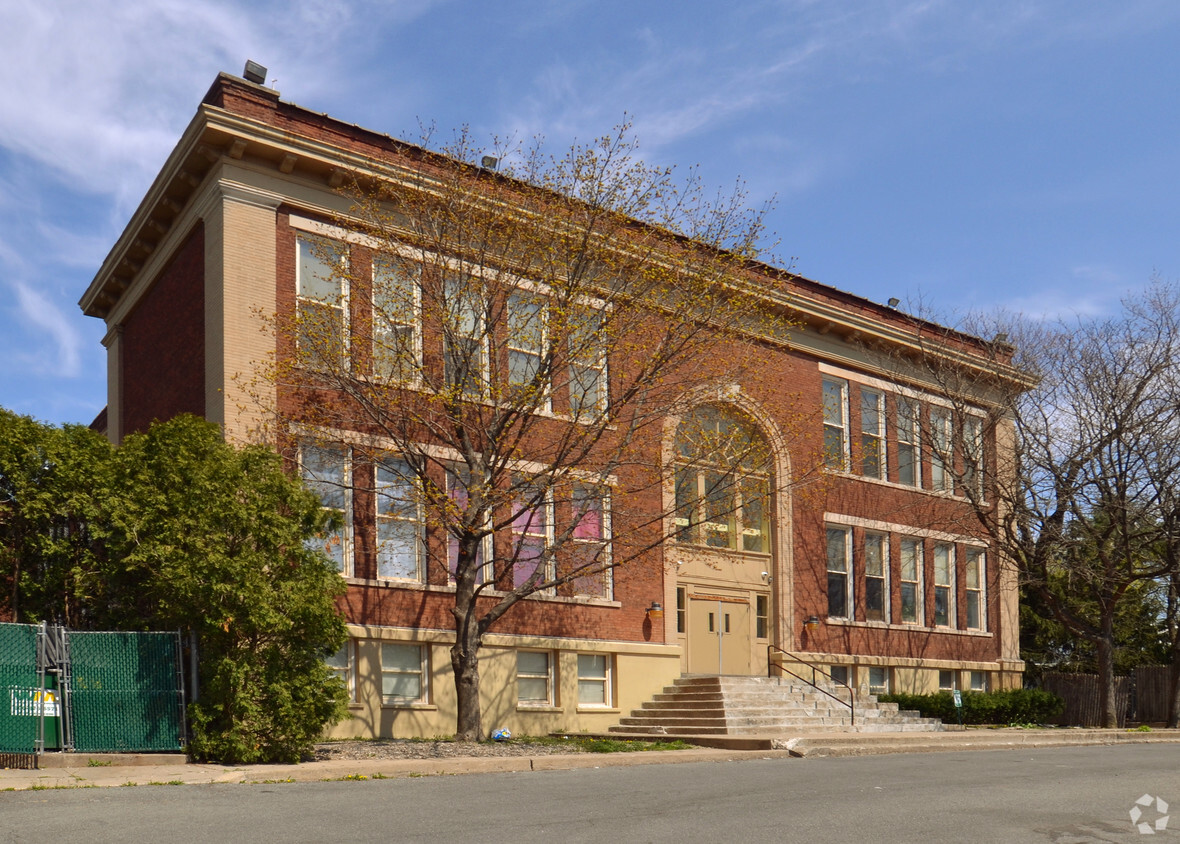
(532, 518)
(944, 585)
(911, 581)
(722, 483)
(594, 680)
(464, 350)
(835, 423)
(325, 471)
(839, 553)
(589, 548)
(909, 461)
(457, 490)
(321, 302)
(399, 522)
(534, 678)
(340, 664)
(941, 454)
(872, 433)
(587, 368)
(876, 577)
(404, 673)
(397, 308)
(973, 455)
(976, 576)
(526, 346)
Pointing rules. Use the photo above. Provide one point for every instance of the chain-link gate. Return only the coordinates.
(21, 691)
(126, 692)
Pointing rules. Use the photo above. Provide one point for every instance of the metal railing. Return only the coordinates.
(815, 669)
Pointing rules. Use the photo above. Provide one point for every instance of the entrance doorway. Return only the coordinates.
(719, 640)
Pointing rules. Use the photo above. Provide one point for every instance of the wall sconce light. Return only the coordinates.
(811, 625)
(655, 611)
(766, 578)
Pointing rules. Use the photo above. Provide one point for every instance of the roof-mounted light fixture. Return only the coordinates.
(254, 72)
(894, 302)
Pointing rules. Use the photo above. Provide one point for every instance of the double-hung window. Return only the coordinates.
(839, 553)
(835, 399)
(404, 673)
(594, 680)
(944, 585)
(941, 454)
(587, 367)
(464, 350)
(527, 339)
(340, 664)
(457, 485)
(909, 460)
(589, 548)
(321, 303)
(872, 433)
(534, 678)
(397, 309)
(876, 577)
(325, 471)
(911, 581)
(973, 455)
(399, 522)
(532, 520)
(975, 575)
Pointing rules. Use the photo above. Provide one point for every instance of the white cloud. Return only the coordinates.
(59, 353)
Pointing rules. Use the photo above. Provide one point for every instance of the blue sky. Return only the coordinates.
(1016, 154)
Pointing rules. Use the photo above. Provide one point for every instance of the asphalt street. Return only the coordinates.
(1063, 795)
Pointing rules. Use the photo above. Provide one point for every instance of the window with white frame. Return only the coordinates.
(947, 680)
(911, 581)
(589, 547)
(835, 399)
(839, 674)
(588, 391)
(973, 455)
(975, 574)
(941, 455)
(321, 302)
(722, 483)
(944, 585)
(527, 338)
(681, 608)
(876, 577)
(340, 664)
(762, 616)
(594, 680)
(979, 681)
(872, 433)
(532, 521)
(325, 471)
(909, 455)
(878, 680)
(464, 349)
(404, 673)
(839, 553)
(397, 310)
(399, 522)
(457, 486)
(534, 678)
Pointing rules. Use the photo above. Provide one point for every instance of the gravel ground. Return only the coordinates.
(402, 749)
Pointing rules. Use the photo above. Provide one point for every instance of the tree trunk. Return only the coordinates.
(1106, 695)
(465, 665)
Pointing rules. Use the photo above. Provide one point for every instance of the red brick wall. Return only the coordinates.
(163, 344)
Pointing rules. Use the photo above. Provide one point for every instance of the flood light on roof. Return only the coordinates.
(255, 73)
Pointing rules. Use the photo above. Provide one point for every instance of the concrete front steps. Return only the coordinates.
(751, 712)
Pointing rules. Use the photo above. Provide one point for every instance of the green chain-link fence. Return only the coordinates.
(20, 689)
(125, 692)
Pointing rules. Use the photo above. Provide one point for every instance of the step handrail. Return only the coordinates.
(770, 664)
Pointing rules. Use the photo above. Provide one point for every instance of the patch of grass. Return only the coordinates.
(170, 782)
(1142, 728)
(590, 744)
(99, 763)
(381, 776)
(54, 787)
(274, 782)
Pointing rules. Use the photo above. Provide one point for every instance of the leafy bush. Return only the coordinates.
(1011, 706)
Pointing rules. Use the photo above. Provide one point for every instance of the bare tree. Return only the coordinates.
(1080, 488)
(507, 348)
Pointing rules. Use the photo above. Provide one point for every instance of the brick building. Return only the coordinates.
(868, 563)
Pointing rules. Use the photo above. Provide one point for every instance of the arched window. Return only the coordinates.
(722, 478)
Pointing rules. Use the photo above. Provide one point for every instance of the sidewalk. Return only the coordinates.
(108, 770)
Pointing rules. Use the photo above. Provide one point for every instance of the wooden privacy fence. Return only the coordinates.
(1153, 690)
(1080, 693)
